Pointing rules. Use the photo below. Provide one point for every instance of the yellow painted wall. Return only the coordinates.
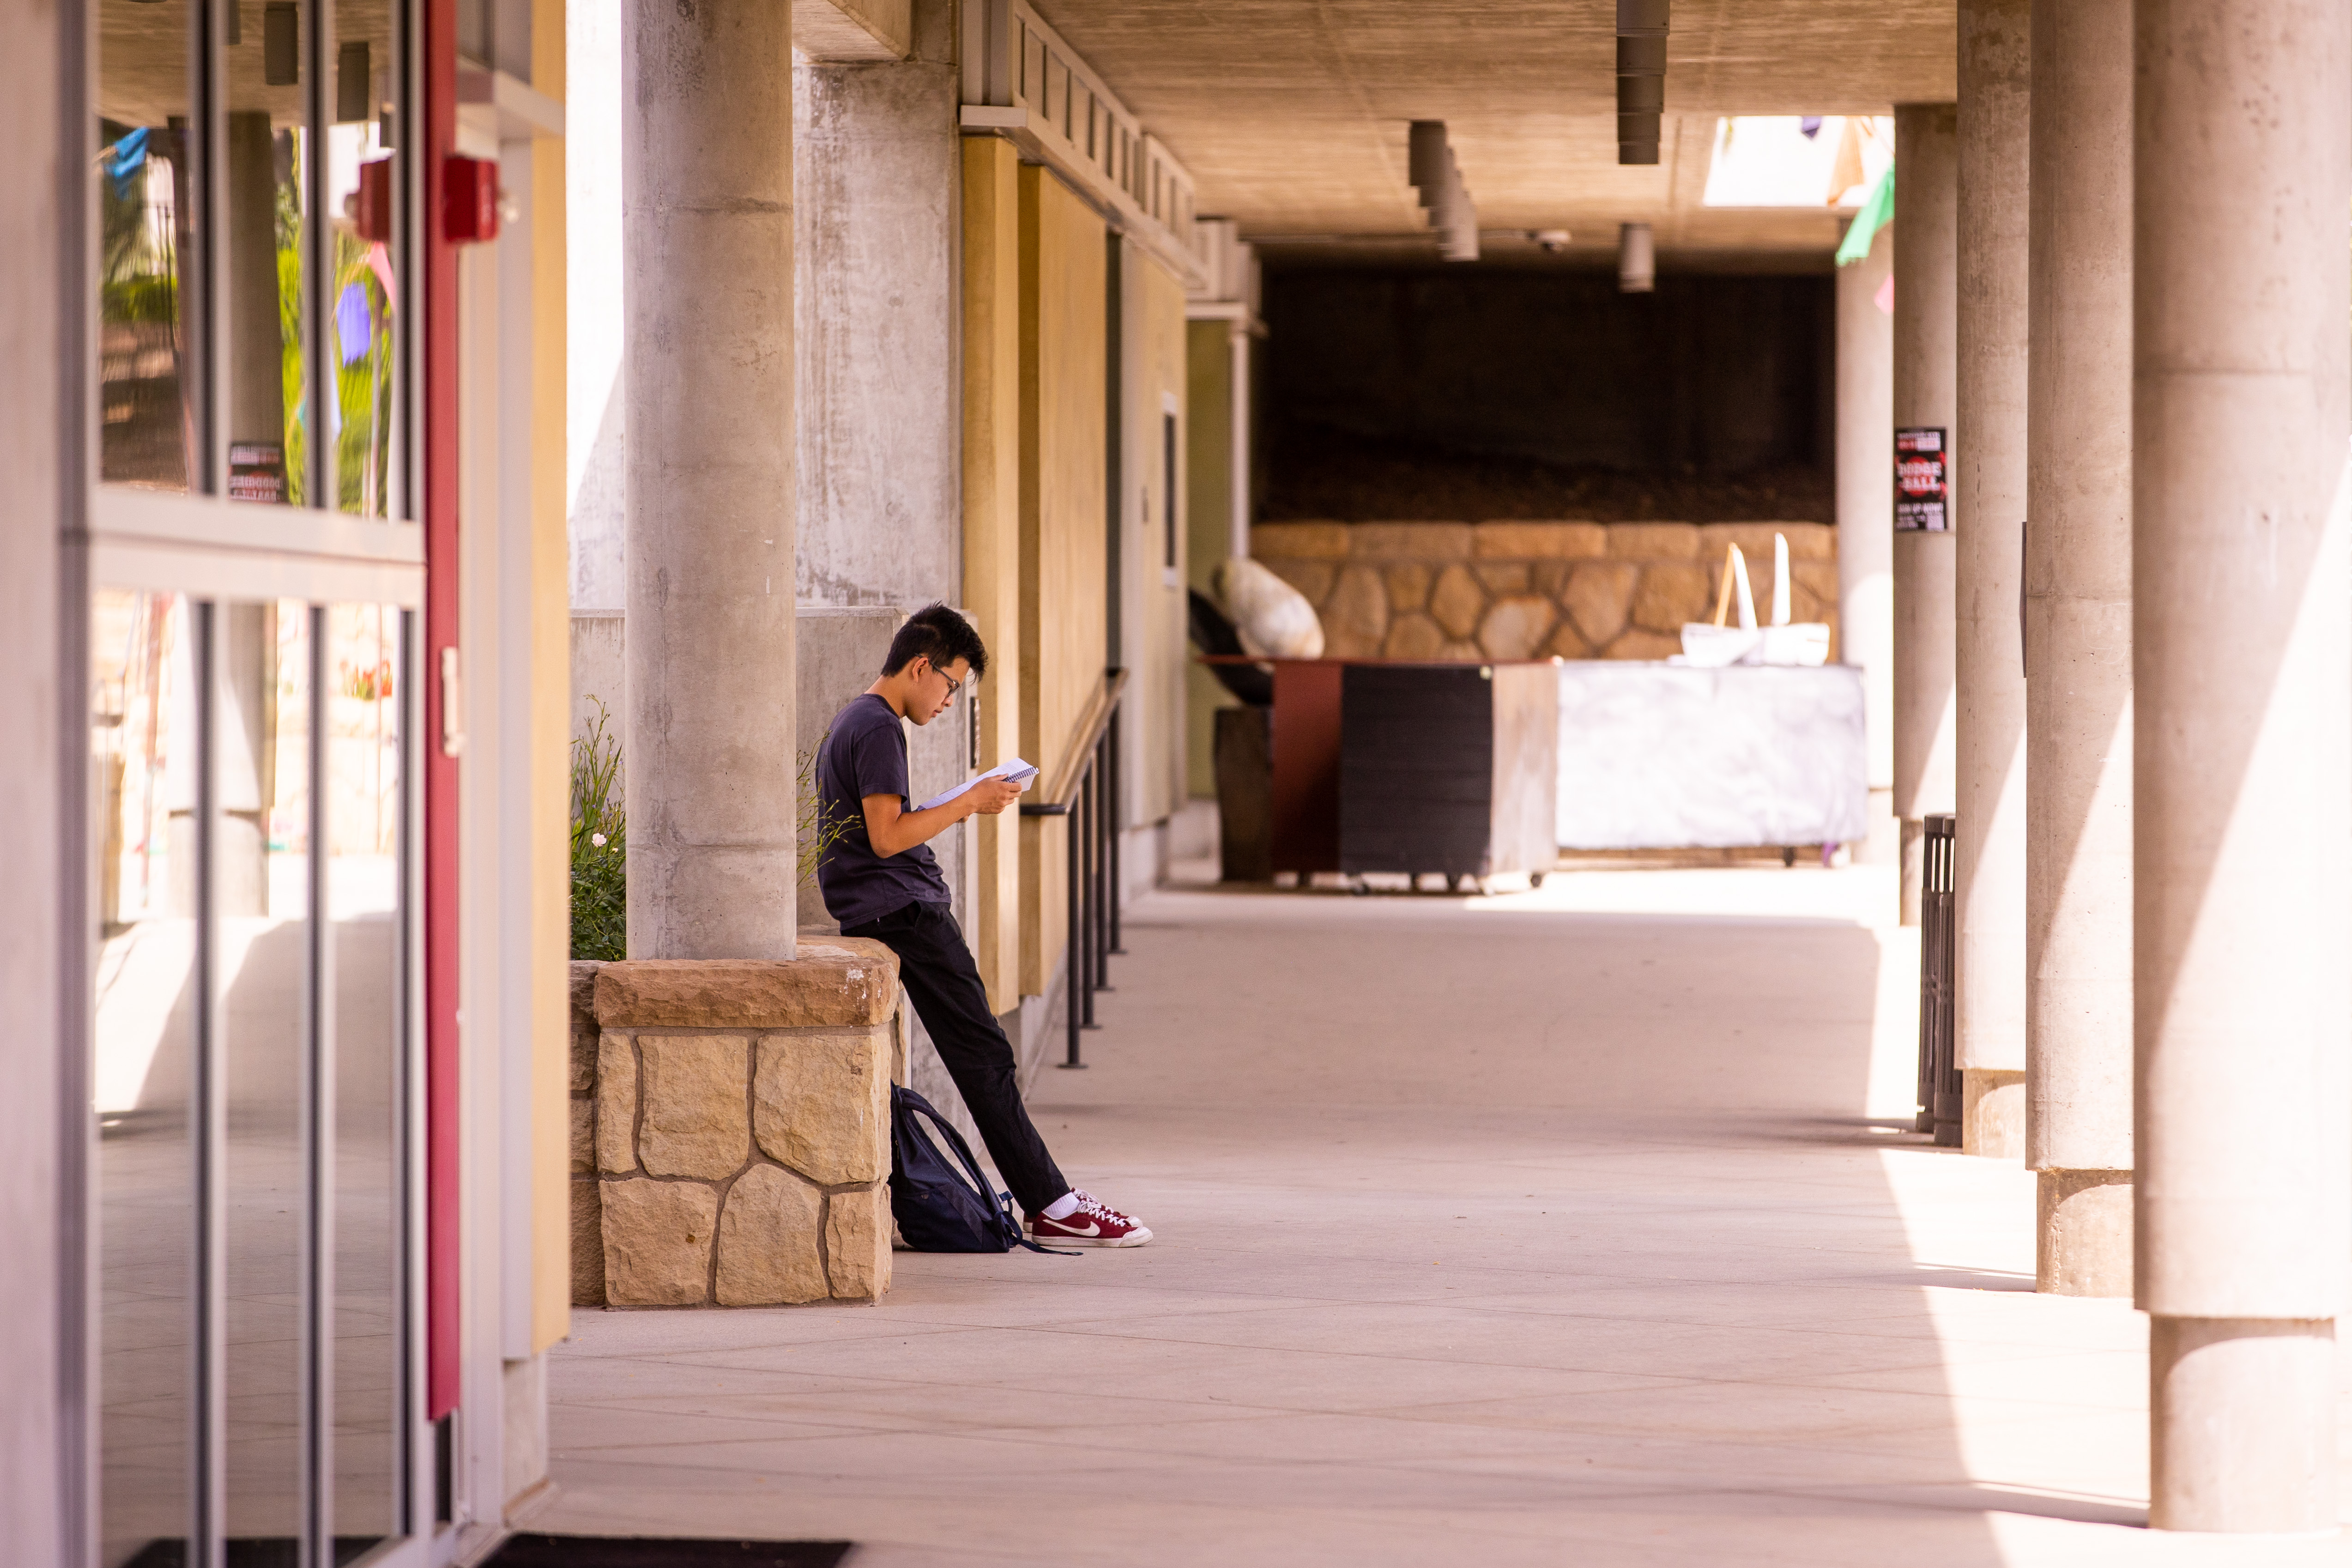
(1208, 517)
(992, 529)
(1064, 554)
(551, 680)
(1153, 362)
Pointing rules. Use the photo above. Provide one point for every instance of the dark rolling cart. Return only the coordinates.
(1448, 768)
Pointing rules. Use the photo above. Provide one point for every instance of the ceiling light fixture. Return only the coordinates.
(1430, 165)
(1641, 78)
(1637, 259)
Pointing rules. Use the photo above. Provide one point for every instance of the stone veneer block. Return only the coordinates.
(1598, 596)
(1657, 542)
(587, 1244)
(1516, 627)
(1408, 541)
(768, 1241)
(1356, 617)
(1637, 644)
(1313, 579)
(584, 1024)
(802, 1094)
(658, 1239)
(857, 1243)
(826, 986)
(1819, 578)
(1807, 541)
(1671, 593)
(1414, 637)
(1408, 584)
(616, 1105)
(1567, 642)
(1458, 600)
(1300, 540)
(1539, 541)
(583, 1136)
(694, 1119)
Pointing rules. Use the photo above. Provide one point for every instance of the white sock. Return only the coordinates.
(1063, 1207)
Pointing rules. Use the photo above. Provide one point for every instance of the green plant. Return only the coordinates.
(815, 833)
(600, 878)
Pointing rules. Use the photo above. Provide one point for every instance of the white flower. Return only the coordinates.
(597, 840)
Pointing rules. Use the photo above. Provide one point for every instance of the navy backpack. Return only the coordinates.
(939, 1207)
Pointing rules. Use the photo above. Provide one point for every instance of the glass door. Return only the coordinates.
(253, 623)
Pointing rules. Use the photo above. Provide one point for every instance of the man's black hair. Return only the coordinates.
(940, 634)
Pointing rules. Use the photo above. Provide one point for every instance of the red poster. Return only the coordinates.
(1922, 481)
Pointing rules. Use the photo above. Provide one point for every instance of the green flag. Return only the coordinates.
(1876, 212)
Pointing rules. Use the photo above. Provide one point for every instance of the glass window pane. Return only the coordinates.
(363, 815)
(267, 151)
(260, 861)
(142, 746)
(362, 178)
(146, 211)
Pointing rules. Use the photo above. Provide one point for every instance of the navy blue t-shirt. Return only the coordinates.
(866, 754)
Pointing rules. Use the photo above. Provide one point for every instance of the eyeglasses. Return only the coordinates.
(954, 685)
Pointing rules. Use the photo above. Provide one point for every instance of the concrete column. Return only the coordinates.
(2078, 832)
(1866, 519)
(1988, 520)
(47, 1362)
(2242, 653)
(707, 197)
(1926, 151)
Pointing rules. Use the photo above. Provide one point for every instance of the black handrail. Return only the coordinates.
(1085, 790)
(1939, 1070)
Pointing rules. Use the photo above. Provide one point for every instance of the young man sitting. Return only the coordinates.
(881, 880)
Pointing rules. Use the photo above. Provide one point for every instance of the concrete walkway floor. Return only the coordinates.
(1547, 1229)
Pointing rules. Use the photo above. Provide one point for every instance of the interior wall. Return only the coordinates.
(1153, 519)
(1064, 558)
(992, 510)
(550, 1002)
(1208, 523)
(875, 171)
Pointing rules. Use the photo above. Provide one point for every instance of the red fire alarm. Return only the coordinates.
(469, 200)
(372, 202)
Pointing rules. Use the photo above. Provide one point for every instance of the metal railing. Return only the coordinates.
(1940, 1070)
(1085, 790)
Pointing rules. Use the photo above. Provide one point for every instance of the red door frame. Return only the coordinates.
(439, 91)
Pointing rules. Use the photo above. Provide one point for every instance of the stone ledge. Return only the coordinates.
(827, 984)
(730, 1138)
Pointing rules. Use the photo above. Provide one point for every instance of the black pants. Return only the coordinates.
(944, 985)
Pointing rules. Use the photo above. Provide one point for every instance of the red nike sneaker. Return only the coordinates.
(1092, 1224)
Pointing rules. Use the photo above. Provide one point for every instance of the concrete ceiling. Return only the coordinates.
(1292, 114)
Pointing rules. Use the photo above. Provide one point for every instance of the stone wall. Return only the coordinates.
(1531, 590)
(731, 1128)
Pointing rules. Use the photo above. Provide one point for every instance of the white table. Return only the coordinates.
(1658, 756)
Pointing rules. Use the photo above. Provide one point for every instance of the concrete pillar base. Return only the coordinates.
(1992, 1113)
(1914, 855)
(2083, 1238)
(1884, 846)
(2241, 1414)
